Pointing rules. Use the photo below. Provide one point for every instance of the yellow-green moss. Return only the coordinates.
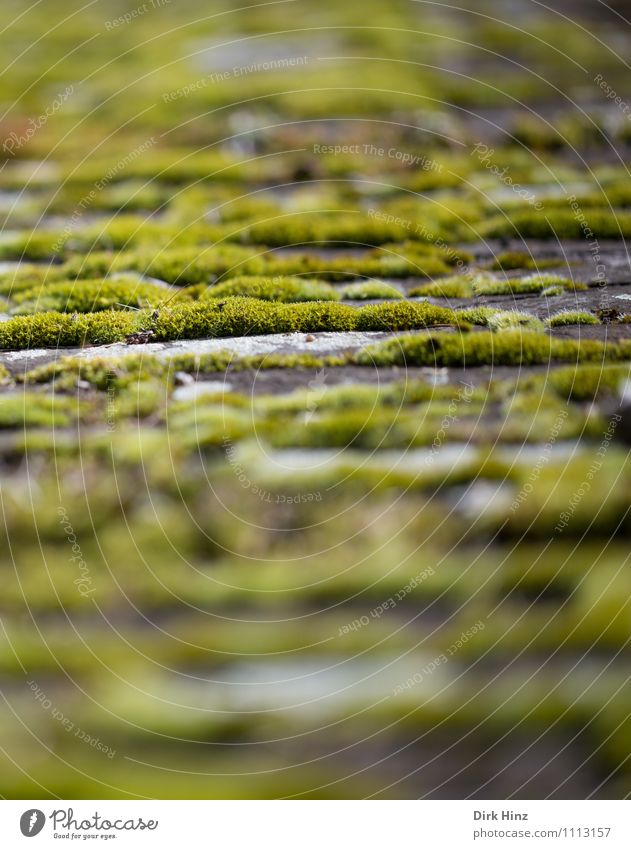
(203, 319)
(511, 347)
(370, 289)
(90, 296)
(571, 317)
(284, 289)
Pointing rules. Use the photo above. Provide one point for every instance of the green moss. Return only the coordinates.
(533, 283)
(448, 287)
(506, 320)
(51, 330)
(585, 383)
(138, 399)
(185, 266)
(561, 224)
(90, 296)
(285, 289)
(512, 347)
(27, 276)
(510, 260)
(368, 290)
(326, 228)
(241, 316)
(402, 315)
(214, 318)
(31, 409)
(31, 246)
(571, 317)
(477, 315)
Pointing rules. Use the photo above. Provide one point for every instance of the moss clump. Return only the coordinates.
(38, 245)
(533, 283)
(571, 317)
(461, 286)
(186, 266)
(586, 383)
(242, 316)
(27, 276)
(511, 260)
(402, 315)
(180, 266)
(367, 290)
(284, 289)
(214, 318)
(449, 287)
(513, 347)
(477, 315)
(326, 228)
(507, 320)
(53, 329)
(90, 296)
(31, 409)
(559, 223)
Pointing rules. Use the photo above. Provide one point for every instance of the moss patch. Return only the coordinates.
(559, 223)
(90, 296)
(213, 318)
(284, 289)
(512, 347)
(571, 317)
(368, 290)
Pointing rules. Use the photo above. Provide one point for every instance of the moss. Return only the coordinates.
(562, 319)
(185, 266)
(418, 252)
(179, 266)
(51, 330)
(326, 228)
(510, 260)
(477, 315)
(561, 224)
(31, 409)
(369, 397)
(105, 373)
(285, 289)
(449, 287)
(531, 284)
(241, 316)
(213, 318)
(399, 316)
(368, 290)
(505, 320)
(461, 286)
(27, 276)
(90, 296)
(31, 246)
(138, 399)
(512, 347)
(586, 383)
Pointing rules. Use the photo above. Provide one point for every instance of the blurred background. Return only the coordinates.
(203, 602)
